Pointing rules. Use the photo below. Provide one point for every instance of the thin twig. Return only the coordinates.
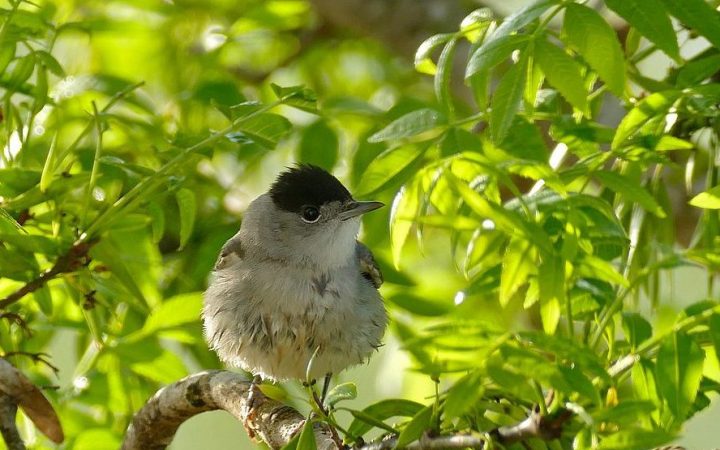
(40, 357)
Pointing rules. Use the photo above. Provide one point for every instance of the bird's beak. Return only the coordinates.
(354, 209)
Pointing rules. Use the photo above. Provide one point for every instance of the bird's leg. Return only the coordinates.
(254, 398)
(326, 387)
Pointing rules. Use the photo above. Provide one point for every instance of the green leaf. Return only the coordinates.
(637, 329)
(174, 312)
(157, 221)
(494, 52)
(598, 44)
(506, 99)
(594, 267)
(380, 411)
(630, 190)
(405, 205)
(652, 106)
(265, 129)
(43, 297)
(525, 142)
(679, 371)
(7, 53)
(442, 77)
(187, 207)
(475, 24)
(423, 55)
(551, 283)
(521, 18)
(709, 199)
(298, 97)
(516, 266)
(563, 73)
(165, 368)
(633, 439)
(8, 224)
(651, 20)
(96, 439)
(714, 325)
(344, 391)
(307, 437)
(392, 166)
(409, 125)
(696, 71)
(23, 69)
(319, 145)
(418, 304)
(699, 15)
(463, 395)
(416, 427)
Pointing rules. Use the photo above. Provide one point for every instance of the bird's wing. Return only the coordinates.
(231, 251)
(368, 266)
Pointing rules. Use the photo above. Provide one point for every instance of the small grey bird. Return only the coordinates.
(295, 285)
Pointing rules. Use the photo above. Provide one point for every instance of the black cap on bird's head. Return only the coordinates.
(307, 185)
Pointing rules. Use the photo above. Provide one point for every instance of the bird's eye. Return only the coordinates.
(310, 214)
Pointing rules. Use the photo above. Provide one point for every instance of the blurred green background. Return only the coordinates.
(196, 59)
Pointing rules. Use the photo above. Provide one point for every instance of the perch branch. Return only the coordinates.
(8, 429)
(154, 426)
(73, 259)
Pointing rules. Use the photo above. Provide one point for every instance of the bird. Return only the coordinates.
(294, 294)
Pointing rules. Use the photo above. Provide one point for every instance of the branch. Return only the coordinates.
(8, 429)
(535, 426)
(154, 426)
(17, 390)
(73, 259)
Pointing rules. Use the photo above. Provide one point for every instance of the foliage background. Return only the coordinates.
(128, 321)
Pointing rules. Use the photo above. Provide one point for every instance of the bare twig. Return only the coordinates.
(8, 429)
(154, 426)
(23, 393)
(17, 320)
(73, 259)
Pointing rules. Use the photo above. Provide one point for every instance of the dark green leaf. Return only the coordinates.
(597, 42)
(650, 19)
(319, 145)
(409, 125)
(419, 305)
(522, 17)
(563, 73)
(679, 371)
(699, 15)
(506, 99)
(698, 70)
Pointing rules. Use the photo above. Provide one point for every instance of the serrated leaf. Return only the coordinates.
(563, 73)
(494, 52)
(506, 99)
(319, 145)
(699, 15)
(654, 105)
(630, 190)
(416, 427)
(651, 20)
(598, 44)
(375, 414)
(423, 55)
(679, 371)
(187, 207)
(409, 125)
(709, 199)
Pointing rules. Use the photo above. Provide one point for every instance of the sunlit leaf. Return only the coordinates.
(493, 53)
(506, 99)
(679, 371)
(598, 44)
(699, 15)
(630, 190)
(563, 73)
(416, 427)
(654, 105)
(632, 439)
(423, 55)
(187, 206)
(651, 19)
(516, 266)
(173, 312)
(344, 391)
(709, 199)
(392, 166)
(307, 437)
(381, 411)
(409, 125)
(463, 395)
